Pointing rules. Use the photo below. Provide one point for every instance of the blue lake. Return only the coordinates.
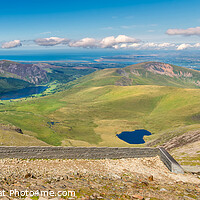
(133, 137)
(22, 93)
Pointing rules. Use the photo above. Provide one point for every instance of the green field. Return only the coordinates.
(93, 110)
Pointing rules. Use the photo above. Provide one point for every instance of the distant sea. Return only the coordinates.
(190, 59)
(56, 55)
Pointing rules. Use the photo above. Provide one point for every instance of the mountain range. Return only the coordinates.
(89, 111)
(15, 75)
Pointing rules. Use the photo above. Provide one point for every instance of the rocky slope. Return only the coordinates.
(156, 73)
(31, 73)
(138, 178)
(179, 141)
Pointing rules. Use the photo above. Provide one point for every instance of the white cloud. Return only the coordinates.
(166, 45)
(197, 45)
(186, 46)
(125, 39)
(120, 41)
(183, 46)
(112, 42)
(108, 42)
(51, 41)
(124, 45)
(186, 32)
(11, 44)
(151, 45)
(134, 45)
(85, 43)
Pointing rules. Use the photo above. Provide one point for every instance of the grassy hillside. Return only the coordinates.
(15, 75)
(153, 73)
(94, 115)
(97, 107)
(149, 73)
(10, 84)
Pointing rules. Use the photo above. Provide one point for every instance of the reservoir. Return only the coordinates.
(22, 93)
(133, 137)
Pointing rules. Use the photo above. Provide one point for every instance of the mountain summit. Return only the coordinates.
(156, 73)
(147, 73)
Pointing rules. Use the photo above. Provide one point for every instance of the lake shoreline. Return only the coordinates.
(23, 93)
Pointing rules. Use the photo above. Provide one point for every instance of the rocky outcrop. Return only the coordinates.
(135, 72)
(166, 69)
(9, 127)
(186, 138)
(157, 73)
(19, 130)
(124, 81)
(122, 72)
(32, 73)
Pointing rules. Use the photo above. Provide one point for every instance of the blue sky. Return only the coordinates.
(66, 23)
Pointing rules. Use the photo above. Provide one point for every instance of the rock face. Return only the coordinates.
(186, 138)
(31, 73)
(166, 69)
(124, 81)
(157, 73)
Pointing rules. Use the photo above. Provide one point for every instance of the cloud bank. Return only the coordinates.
(51, 41)
(107, 42)
(148, 45)
(11, 44)
(187, 46)
(186, 32)
(119, 42)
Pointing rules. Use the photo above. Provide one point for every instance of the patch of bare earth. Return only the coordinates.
(137, 178)
(179, 141)
(166, 69)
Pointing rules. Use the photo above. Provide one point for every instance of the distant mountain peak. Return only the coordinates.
(158, 73)
(166, 69)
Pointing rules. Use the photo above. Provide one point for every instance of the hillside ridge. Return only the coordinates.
(31, 73)
(158, 73)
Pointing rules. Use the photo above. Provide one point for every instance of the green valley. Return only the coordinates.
(161, 98)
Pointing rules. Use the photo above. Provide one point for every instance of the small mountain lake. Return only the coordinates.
(22, 93)
(133, 137)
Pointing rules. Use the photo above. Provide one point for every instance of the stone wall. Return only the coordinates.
(170, 162)
(89, 153)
